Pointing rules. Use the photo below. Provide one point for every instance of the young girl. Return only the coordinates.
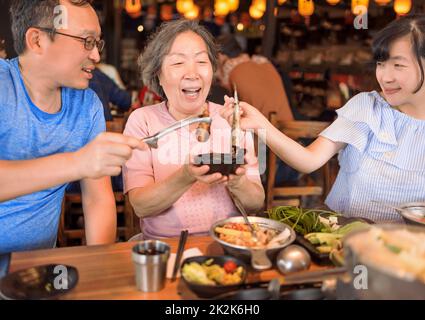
(380, 136)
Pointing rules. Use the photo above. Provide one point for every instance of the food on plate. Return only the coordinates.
(397, 251)
(240, 234)
(209, 273)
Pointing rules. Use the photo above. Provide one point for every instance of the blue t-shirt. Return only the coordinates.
(26, 132)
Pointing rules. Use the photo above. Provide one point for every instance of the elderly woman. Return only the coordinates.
(167, 191)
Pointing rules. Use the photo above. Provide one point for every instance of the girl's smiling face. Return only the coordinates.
(400, 75)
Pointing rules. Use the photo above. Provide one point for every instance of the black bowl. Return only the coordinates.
(224, 163)
(39, 283)
(209, 291)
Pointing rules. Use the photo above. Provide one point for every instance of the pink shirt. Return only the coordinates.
(199, 207)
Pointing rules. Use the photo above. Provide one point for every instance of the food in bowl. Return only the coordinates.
(239, 234)
(396, 251)
(210, 273)
(225, 163)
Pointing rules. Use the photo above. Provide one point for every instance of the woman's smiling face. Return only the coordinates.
(400, 75)
(186, 75)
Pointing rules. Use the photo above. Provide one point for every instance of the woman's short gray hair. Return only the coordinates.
(159, 45)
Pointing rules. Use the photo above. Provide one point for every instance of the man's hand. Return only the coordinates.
(105, 155)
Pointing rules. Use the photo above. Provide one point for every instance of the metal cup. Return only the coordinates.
(150, 259)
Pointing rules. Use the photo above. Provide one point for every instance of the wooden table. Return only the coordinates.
(107, 271)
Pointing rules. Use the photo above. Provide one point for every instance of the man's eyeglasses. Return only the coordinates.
(89, 42)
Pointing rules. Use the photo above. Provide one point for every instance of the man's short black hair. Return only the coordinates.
(29, 13)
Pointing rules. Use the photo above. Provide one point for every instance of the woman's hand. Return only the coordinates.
(196, 173)
(251, 118)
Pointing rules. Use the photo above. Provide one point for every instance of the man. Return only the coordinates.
(51, 127)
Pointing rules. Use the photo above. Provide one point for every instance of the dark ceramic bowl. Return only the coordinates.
(209, 291)
(224, 163)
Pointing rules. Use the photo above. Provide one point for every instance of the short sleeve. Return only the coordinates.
(138, 170)
(98, 124)
(364, 115)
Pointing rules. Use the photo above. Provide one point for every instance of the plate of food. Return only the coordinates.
(209, 276)
(319, 231)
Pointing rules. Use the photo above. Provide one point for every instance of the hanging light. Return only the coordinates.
(259, 5)
(133, 7)
(305, 7)
(255, 13)
(357, 6)
(280, 2)
(192, 13)
(334, 2)
(382, 2)
(402, 7)
(233, 5)
(221, 8)
(166, 12)
(183, 6)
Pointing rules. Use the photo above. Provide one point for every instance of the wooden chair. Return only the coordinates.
(293, 193)
(71, 224)
(116, 125)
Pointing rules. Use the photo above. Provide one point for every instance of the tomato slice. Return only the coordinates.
(230, 266)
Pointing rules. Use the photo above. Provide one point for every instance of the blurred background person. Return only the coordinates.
(257, 80)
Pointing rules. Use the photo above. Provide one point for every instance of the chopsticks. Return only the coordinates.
(180, 249)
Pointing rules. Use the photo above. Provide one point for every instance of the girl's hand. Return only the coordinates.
(251, 118)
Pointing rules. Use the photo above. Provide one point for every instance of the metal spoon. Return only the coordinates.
(152, 141)
(292, 259)
(241, 208)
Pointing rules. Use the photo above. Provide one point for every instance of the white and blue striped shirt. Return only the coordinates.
(384, 159)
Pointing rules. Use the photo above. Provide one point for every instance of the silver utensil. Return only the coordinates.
(242, 210)
(152, 141)
(313, 276)
(274, 289)
(292, 259)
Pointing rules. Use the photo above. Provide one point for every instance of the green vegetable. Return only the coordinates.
(323, 238)
(351, 227)
(303, 221)
(393, 248)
